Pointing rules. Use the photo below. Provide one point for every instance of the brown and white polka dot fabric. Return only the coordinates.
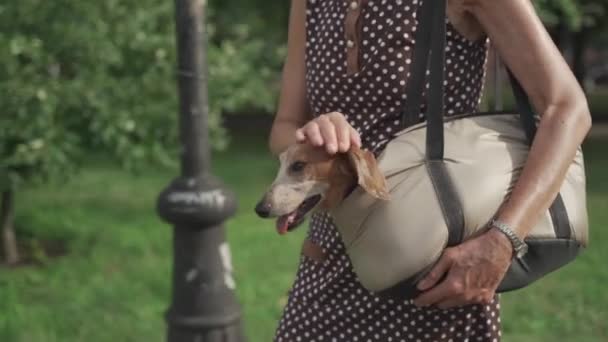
(358, 54)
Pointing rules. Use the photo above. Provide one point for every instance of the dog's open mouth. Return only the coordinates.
(289, 221)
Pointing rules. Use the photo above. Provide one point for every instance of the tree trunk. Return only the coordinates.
(555, 33)
(7, 213)
(578, 49)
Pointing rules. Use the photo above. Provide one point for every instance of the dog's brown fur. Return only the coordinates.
(332, 176)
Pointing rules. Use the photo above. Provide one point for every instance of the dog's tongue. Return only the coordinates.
(284, 221)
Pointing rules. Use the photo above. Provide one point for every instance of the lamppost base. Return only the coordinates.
(230, 333)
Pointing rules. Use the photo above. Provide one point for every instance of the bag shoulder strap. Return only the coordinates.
(526, 113)
(435, 98)
(429, 50)
(420, 57)
(431, 40)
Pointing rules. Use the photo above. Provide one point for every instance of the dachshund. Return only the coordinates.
(309, 178)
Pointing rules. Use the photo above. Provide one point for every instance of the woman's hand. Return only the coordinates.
(330, 130)
(473, 271)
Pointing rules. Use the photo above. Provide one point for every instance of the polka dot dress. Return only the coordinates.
(358, 55)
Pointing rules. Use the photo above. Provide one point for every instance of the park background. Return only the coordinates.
(88, 138)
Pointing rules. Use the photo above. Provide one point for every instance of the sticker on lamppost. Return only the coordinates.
(227, 263)
(214, 198)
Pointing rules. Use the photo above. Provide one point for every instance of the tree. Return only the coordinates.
(82, 76)
(594, 14)
(572, 23)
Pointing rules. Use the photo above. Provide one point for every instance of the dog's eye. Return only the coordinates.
(297, 166)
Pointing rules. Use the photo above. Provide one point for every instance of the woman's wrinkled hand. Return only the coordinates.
(473, 270)
(330, 130)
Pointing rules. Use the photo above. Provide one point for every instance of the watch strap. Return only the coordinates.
(519, 247)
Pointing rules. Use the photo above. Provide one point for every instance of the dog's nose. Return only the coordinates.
(263, 209)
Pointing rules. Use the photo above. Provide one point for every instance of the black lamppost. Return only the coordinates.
(204, 307)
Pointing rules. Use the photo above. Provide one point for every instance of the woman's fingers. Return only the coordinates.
(484, 298)
(343, 131)
(331, 130)
(313, 134)
(328, 131)
(453, 303)
(300, 135)
(355, 137)
(438, 271)
(443, 291)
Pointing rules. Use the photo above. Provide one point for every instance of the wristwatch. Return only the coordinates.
(520, 248)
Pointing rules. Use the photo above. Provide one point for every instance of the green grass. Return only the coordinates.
(114, 285)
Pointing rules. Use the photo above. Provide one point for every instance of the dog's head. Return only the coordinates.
(309, 177)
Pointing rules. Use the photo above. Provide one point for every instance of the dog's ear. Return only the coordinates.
(369, 176)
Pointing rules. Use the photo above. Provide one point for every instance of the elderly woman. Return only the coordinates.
(326, 101)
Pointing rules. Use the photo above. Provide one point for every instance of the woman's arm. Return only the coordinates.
(292, 108)
(527, 49)
(291, 123)
(476, 267)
